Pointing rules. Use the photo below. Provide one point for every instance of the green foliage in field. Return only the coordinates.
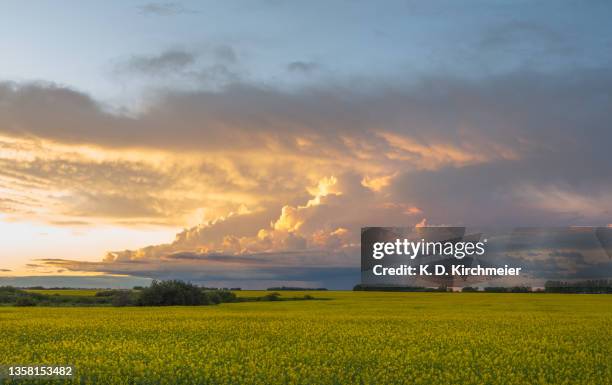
(160, 293)
(355, 338)
(68, 292)
(17, 297)
(172, 293)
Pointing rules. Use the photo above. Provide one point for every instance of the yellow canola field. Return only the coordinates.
(349, 338)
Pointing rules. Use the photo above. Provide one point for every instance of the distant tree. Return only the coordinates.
(167, 293)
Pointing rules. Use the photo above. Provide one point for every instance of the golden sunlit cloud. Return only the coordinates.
(248, 171)
(377, 183)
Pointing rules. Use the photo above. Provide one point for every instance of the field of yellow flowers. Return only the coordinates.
(351, 338)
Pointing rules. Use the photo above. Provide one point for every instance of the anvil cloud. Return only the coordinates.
(267, 171)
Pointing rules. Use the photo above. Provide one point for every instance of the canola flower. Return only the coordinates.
(353, 338)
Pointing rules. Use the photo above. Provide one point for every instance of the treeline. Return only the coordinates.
(290, 288)
(418, 289)
(18, 297)
(601, 286)
(56, 288)
(160, 293)
(500, 289)
(579, 287)
(179, 293)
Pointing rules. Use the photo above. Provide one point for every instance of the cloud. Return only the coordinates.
(290, 176)
(165, 9)
(302, 67)
(5, 270)
(310, 242)
(164, 63)
(85, 282)
(208, 67)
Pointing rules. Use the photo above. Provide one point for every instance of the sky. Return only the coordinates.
(246, 143)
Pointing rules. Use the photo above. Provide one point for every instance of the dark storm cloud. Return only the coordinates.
(552, 187)
(191, 256)
(525, 111)
(85, 282)
(203, 272)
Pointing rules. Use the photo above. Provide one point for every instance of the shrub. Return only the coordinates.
(166, 293)
(213, 297)
(108, 293)
(122, 298)
(271, 297)
(25, 301)
(227, 296)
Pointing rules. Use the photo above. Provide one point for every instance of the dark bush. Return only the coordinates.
(226, 296)
(25, 301)
(122, 298)
(360, 287)
(469, 289)
(520, 289)
(108, 293)
(213, 297)
(602, 286)
(167, 293)
(496, 289)
(271, 297)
